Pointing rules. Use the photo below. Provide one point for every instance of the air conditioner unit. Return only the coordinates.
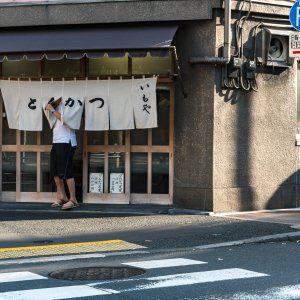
(275, 48)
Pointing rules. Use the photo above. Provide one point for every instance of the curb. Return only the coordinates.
(289, 236)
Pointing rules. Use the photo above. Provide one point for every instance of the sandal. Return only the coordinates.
(69, 205)
(58, 203)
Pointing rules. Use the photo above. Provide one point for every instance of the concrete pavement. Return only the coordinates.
(281, 216)
(289, 216)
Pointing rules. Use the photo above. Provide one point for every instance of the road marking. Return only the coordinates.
(71, 248)
(29, 248)
(198, 277)
(34, 260)
(164, 263)
(277, 293)
(19, 276)
(56, 293)
(93, 289)
(50, 259)
(183, 279)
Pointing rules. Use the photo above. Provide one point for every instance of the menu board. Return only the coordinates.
(96, 183)
(116, 183)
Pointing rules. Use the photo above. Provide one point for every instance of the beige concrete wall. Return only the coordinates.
(234, 149)
(255, 158)
(193, 160)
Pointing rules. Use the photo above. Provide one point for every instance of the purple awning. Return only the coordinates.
(75, 43)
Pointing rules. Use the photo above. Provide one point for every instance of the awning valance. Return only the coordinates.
(75, 43)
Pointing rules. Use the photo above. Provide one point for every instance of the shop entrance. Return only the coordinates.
(132, 166)
(111, 167)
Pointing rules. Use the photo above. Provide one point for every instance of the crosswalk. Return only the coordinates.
(104, 288)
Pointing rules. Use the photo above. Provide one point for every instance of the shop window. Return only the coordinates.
(108, 66)
(9, 171)
(160, 173)
(95, 137)
(62, 68)
(116, 171)
(96, 172)
(139, 136)
(104, 66)
(8, 135)
(28, 171)
(22, 68)
(160, 135)
(46, 134)
(152, 65)
(138, 172)
(28, 137)
(47, 184)
(116, 137)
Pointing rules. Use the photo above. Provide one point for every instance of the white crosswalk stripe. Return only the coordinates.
(103, 288)
(198, 277)
(56, 293)
(19, 276)
(185, 279)
(164, 263)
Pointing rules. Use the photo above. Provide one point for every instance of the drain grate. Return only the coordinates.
(97, 273)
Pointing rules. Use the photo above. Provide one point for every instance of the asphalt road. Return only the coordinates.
(155, 231)
(268, 271)
(174, 258)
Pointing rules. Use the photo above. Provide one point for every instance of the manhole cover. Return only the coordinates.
(96, 273)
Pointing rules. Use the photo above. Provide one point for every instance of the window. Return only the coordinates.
(22, 68)
(62, 68)
(90, 67)
(108, 66)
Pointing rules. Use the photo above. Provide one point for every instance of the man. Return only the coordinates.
(61, 158)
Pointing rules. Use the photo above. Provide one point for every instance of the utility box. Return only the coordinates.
(273, 49)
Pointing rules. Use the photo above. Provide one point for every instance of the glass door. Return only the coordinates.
(105, 173)
(133, 166)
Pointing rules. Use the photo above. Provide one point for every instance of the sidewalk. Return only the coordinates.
(105, 209)
(281, 216)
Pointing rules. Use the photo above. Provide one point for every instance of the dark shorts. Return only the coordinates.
(61, 160)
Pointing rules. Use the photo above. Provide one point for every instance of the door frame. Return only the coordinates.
(127, 148)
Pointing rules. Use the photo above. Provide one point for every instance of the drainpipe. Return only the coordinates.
(227, 42)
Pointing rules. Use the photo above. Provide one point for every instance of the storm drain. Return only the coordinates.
(97, 273)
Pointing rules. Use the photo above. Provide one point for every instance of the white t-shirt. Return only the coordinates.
(62, 133)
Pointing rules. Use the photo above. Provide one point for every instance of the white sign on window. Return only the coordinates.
(116, 183)
(96, 183)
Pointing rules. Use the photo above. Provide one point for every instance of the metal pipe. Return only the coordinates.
(216, 60)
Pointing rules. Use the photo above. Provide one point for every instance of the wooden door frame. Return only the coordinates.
(127, 197)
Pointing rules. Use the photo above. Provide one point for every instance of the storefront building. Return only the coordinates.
(226, 111)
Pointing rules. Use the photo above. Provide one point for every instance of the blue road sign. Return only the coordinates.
(295, 15)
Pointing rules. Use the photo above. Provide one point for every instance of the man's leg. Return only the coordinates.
(61, 193)
(71, 187)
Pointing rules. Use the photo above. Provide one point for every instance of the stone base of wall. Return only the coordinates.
(251, 198)
(237, 199)
(193, 198)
